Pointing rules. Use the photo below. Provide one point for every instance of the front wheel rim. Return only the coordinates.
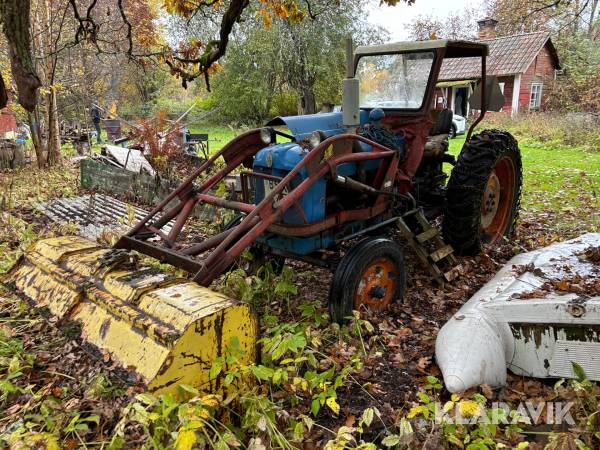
(377, 285)
(498, 199)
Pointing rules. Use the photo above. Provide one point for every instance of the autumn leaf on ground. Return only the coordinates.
(332, 403)
(423, 363)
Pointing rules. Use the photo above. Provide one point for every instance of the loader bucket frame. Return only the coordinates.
(226, 246)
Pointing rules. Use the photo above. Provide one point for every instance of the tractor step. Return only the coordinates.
(427, 235)
(429, 246)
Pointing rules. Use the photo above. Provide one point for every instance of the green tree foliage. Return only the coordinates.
(578, 88)
(251, 78)
(287, 68)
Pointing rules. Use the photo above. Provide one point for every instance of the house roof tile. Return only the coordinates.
(507, 55)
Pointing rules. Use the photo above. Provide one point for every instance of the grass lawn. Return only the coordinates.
(218, 135)
(559, 184)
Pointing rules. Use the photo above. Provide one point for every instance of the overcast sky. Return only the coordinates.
(396, 18)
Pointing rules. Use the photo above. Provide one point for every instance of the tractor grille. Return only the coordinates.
(255, 185)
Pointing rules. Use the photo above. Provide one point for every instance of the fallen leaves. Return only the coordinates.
(423, 363)
(332, 403)
(591, 254)
(585, 287)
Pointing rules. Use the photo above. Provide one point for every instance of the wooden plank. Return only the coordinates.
(441, 253)
(130, 158)
(427, 235)
(453, 273)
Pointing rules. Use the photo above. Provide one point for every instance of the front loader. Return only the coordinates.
(344, 191)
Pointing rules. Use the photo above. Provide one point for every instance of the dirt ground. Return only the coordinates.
(70, 379)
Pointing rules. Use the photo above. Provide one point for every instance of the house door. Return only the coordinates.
(461, 95)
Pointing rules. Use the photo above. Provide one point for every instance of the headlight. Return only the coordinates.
(316, 138)
(266, 135)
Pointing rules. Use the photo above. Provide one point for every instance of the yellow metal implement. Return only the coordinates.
(168, 330)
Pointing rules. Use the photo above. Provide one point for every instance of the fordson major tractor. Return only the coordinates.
(345, 191)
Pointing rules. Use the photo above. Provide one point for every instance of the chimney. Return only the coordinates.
(487, 28)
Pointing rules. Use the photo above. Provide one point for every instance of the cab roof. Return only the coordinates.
(454, 49)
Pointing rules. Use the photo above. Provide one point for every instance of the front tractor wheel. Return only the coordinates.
(371, 275)
(483, 192)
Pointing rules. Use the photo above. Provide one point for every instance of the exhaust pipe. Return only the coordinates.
(350, 104)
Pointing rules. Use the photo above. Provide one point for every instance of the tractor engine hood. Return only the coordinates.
(302, 126)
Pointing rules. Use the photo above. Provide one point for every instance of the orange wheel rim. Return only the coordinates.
(498, 199)
(377, 285)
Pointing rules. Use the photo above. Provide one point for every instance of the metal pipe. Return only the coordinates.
(367, 230)
(170, 214)
(206, 244)
(355, 185)
(483, 102)
(160, 253)
(182, 218)
(224, 203)
(349, 59)
(350, 95)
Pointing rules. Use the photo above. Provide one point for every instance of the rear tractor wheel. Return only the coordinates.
(483, 193)
(371, 275)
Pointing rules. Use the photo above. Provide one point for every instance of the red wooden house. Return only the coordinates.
(8, 123)
(523, 63)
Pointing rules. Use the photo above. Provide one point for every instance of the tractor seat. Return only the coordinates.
(436, 145)
(437, 142)
(442, 122)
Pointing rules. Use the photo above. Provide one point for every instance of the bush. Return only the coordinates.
(284, 104)
(572, 93)
(552, 129)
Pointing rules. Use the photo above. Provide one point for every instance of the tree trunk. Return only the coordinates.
(54, 147)
(593, 8)
(307, 101)
(15, 17)
(38, 146)
(577, 18)
(53, 124)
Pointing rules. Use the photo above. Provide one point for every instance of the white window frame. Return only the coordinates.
(535, 98)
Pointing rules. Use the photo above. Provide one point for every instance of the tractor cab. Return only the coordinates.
(401, 77)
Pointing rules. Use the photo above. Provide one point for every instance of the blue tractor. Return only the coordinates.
(348, 190)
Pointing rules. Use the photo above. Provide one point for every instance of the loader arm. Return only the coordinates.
(225, 247)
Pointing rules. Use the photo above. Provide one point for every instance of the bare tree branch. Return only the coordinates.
(129, 27)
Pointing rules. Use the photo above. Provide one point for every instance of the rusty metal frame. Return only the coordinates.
(226, 246)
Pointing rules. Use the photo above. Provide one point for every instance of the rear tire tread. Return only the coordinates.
(467, 183)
